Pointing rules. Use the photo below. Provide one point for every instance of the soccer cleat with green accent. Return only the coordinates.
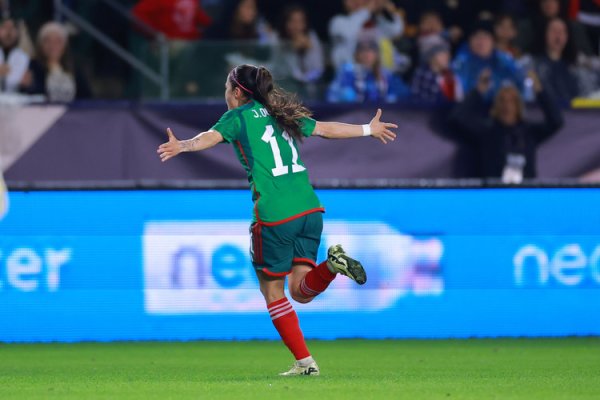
(311, 369)
(340, 262)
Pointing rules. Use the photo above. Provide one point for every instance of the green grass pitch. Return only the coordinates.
(350, 369)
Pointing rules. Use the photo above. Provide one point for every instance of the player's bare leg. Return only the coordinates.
(306, 282)
(295, 279)
(286, 322)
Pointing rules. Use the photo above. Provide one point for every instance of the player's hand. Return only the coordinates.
(381, 130)
(170, 149)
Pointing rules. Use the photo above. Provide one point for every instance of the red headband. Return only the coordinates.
(239, 84)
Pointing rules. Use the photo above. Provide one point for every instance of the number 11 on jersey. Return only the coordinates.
(280, 168)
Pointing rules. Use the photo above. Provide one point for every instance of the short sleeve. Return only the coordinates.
(307, 126)
(229, 126)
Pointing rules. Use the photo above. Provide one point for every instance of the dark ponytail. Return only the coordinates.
(257, 83)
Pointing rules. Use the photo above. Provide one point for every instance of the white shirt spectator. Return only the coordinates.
(345, 31)
(14, 62)
(18, 62)
(305, 66)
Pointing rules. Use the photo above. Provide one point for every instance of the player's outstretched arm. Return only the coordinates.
(202, 141)
(338, 130)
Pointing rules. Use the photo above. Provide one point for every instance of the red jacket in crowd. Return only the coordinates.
(177, 19)
(588, 7)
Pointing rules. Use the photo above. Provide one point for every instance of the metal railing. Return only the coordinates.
(160, 78)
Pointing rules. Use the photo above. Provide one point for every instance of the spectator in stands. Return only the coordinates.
(53, 72)
(587, 13)
(550, 8)
(456, 14)
(242, 21)
(430, 31)
(177, 19)
(532, 32)
(366, 80)
(564, 71)
(505, 32)
(506, 141)
(555, 62)
(433, 81)
(13, 60)
(303, 53)
(481, 55)
(364, 19)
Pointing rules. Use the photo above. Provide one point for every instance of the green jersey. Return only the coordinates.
(278, 178)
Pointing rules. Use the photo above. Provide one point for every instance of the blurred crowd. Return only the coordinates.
(48, 70)
(429, 51)
(480, 61)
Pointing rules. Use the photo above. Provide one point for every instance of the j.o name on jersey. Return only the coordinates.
(260, 113)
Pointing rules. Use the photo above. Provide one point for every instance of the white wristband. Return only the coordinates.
(366, 129)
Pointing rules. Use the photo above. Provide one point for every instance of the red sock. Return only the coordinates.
(286, 321)
(316, 281)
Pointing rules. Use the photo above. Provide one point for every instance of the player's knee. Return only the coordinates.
(298, 297)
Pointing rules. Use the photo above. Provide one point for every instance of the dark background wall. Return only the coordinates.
(101, 141)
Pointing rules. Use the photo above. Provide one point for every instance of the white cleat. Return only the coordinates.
(311, 369)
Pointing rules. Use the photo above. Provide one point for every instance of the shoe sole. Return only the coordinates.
(355, 270)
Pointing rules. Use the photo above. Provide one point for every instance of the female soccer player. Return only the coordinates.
(264, 124)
